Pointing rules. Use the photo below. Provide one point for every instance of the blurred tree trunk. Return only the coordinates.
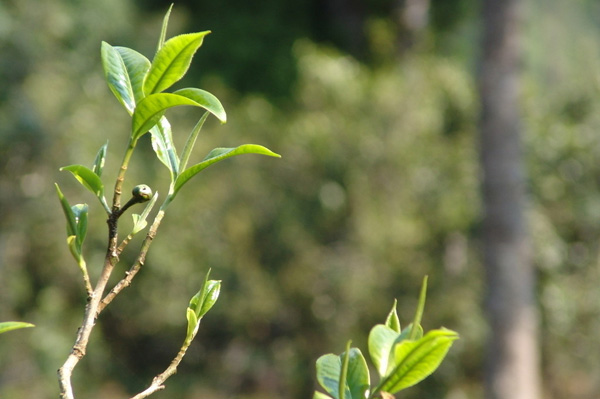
(512, 359)
(412, 18)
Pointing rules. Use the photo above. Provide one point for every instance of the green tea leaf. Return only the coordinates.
(6, 326)
(191, 141)
(163, 31)
(392, 320)
(137, 67)
(216, 155)
(149, 111)
(100, 159)
(205, 299)
(319, 395)
(419, 312)
(415, 360)
(139, 221)
(87, 178)
(172, 61)
(162, 143)
(358, 378)
(205, 100)
(80, 211)
(329, 370)
(117, 77)
(71, 222)
(192, 326)
(380, 342)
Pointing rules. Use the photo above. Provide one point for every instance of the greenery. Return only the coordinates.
(379, 187)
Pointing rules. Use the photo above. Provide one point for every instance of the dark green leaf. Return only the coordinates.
(415, 360)
(137, 66)
(216, 155)
(13, 325)
(117, 77)
(66, 207)
(172, 61)
(81, 218)
(99, 161)
(162, 143)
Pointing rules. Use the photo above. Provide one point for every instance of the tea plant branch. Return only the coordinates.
(137, 265)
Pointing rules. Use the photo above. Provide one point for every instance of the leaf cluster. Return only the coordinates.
(402, 358)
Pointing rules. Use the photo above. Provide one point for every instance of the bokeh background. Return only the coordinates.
(378, 186)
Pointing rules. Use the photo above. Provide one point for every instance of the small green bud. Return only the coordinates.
(142, 193)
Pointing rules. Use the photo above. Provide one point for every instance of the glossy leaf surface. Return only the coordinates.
(392, 321)
(415, 360)
(219, 154)
(99, 161)
(381, 340)
(152, 108)
(6, 326)
(69, 216)
(87, 178)
(117, 77)
(329, 371)
(162, 143)
(172, 61)
(206, 100)
(136, 65)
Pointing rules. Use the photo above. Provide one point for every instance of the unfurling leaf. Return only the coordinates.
(392, 320)
(139, 221)
(330, 373)
(99, 161)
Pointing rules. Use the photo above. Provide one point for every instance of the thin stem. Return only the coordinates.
(158, 381)
(129, 275)
(121, 176)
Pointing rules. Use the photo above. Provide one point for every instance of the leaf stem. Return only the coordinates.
(121, 176)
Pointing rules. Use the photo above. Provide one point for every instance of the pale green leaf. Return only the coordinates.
(358, 378)
(329, 370)
(6, 326)
(191, 141)
(419, 312)
(172, 61)
(320, 395)
(415, 360)
(392, 320)
(163, 30)
(216, 155)
(381, 340)
(139, 221)
(69, 216)
(205, 100)
(192, 324)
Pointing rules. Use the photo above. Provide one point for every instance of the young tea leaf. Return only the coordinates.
(415, 360)
(392, 320)
(216, 155)
(117, 77)
(320, 395)
(358, 378)
(380, 342)
(162, 143)
(172, 61)
(137, 67)
(89, 180)
(419, 312)
(205, 100)
(191, 141)
(149, 111)
(81, 216)
(66, 207)
(99, 161)
(329, 370)
(6, 326)
(163, 30)
(192, 325)
(139, 221)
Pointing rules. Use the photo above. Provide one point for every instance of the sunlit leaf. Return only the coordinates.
(419, 312)
(415, 360)
(149, 111)
(162, 143)
(137, 65)
(192, 324)
(172, 61)
(320, 395)
(163, 30)
(205, 299)
(216, 155)
(99, 161)
(329, 370)
(358, 378)
(139, 221)
(87, 178)
(6, 326)
(380, 342)
(117, 77)
(206, 100)
(392, 321)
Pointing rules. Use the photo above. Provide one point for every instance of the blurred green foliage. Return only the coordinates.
(377, 187)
